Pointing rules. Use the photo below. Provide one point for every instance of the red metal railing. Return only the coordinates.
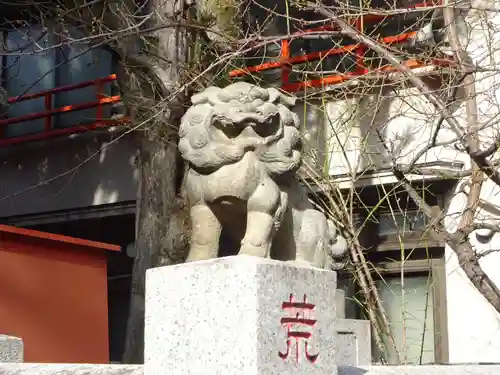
(286, 61)
(49, 112)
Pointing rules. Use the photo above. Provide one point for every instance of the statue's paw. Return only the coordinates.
(199, 253)
(256, 251)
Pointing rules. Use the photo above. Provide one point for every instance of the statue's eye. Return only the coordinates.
(228, 131)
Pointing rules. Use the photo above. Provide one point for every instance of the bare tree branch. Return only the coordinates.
(470, 147)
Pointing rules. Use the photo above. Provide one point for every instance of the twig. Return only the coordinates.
(470, 146)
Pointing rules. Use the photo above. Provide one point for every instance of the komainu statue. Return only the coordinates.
(243, 149)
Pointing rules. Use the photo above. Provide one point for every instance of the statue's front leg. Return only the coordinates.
(206, 230)
(262, 208)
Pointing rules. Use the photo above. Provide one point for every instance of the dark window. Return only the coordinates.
(329, 59)
(401, 222)
(408, 269)
(38, 61)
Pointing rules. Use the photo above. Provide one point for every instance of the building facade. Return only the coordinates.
(360, 118)
(67, 160)
(68, 157)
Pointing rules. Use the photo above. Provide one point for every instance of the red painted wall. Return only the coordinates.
(53, 294)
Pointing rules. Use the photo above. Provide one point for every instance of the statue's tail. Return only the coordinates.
(339, 248)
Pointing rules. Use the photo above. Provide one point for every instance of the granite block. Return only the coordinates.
(11, 349)
(88, 369)
(233, 315)
(69, 369)
(354, 342)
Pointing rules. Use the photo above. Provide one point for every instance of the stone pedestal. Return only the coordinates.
(354, 342)
(11, 349)
(240, 315)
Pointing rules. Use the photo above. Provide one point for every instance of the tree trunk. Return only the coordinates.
(160, 213)
(160, 230)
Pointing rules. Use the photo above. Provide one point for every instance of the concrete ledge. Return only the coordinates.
(11, 349)
(422, 370)
(68, 369)
(79, 369)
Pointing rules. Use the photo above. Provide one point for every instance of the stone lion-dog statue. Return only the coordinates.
(243, 147)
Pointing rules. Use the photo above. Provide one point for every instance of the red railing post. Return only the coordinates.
(48, 107)
(99, 88)
(285, 55)
(360, 59)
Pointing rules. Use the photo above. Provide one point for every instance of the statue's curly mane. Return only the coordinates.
(218, 128)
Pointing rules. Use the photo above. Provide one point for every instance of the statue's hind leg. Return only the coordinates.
(206, 230)
(263, 206)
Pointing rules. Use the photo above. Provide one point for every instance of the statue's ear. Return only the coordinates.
(208, 95)
(276, 96)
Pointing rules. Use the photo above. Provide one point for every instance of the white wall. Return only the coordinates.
(401, 117)
(405, 120)
(473, 325)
